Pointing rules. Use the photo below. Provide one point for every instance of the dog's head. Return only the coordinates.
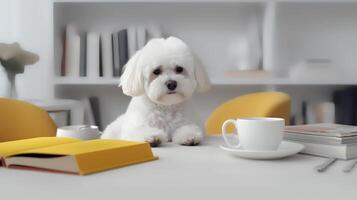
(166, 71)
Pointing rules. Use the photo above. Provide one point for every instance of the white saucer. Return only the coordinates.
(285, 149)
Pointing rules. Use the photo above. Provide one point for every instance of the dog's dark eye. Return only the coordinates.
(157, 71)
(179, 69)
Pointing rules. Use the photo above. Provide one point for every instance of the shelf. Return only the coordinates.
(86, 81)
(224, 27)
(195, 1)
(279, 81)
(215, 81)
(158, 1)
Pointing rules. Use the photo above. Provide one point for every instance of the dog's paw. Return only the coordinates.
(156, 139)
(148, 134)
(189, 135)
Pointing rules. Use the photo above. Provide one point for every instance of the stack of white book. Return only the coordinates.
(327, 140)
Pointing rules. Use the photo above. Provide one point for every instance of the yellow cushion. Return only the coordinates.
(262, 104)
(22, 120)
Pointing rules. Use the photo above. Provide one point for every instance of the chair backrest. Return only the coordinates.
(262, 104)
(22, 120)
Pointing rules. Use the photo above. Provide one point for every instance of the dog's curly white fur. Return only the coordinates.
(160, 77)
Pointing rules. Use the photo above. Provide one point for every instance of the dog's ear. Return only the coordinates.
(203, 82)
(132, 80)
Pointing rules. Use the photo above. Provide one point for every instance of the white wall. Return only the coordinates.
(6, 35)
(30, 24)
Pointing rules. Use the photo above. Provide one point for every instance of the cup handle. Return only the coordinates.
(224, 127)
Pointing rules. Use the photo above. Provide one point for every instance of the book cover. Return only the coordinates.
(304, 112)
(345, 104)
(75, 156)
(88, 112)
(94, 104)
(61, 118)
(321, 139)
(132, 40)
(83, 65)
(100, 56)
(72, 51)
(93, 55)
(123, 49)
(141, 37)
(13, 147)
(324, 129)
(106, 54)
(63, 60)
(115, 46)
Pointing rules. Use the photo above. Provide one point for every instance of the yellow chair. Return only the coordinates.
(262, 104)
(21, 120)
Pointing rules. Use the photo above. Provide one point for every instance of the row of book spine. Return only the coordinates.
(346, 105)
(94, 55)
(341, 110)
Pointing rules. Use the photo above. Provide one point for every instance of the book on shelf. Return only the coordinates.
(328, 140)
(106, 54)
(83, 55)
(72, 51)
(141, 37)
(73, 156)
(63, 59)
(123, 49)
(94, 104)
(93, 54)
(100, 57)
(61, 118)
(304, 112)
(346, 106)
(132, 40)
(115, 46)
(88, 112)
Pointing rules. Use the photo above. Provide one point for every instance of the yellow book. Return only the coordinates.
(13, 147)
(73, 156)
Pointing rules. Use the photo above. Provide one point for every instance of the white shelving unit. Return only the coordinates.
(215, 81)
(291, 30)
(86, 81)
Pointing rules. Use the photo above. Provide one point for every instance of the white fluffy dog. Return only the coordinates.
(160, 77)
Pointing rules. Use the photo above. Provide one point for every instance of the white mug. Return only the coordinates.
(82, 132)
(256, 133)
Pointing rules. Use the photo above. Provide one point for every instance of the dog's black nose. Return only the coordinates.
(171, 85)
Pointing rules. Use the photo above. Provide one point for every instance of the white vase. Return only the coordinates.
(248, 48)
(12, 91)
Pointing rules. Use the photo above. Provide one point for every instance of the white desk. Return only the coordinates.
(202, 172)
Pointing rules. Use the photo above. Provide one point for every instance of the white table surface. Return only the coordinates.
(201, 172)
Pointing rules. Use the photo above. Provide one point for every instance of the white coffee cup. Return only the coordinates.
(82, 132)
(256, 133)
